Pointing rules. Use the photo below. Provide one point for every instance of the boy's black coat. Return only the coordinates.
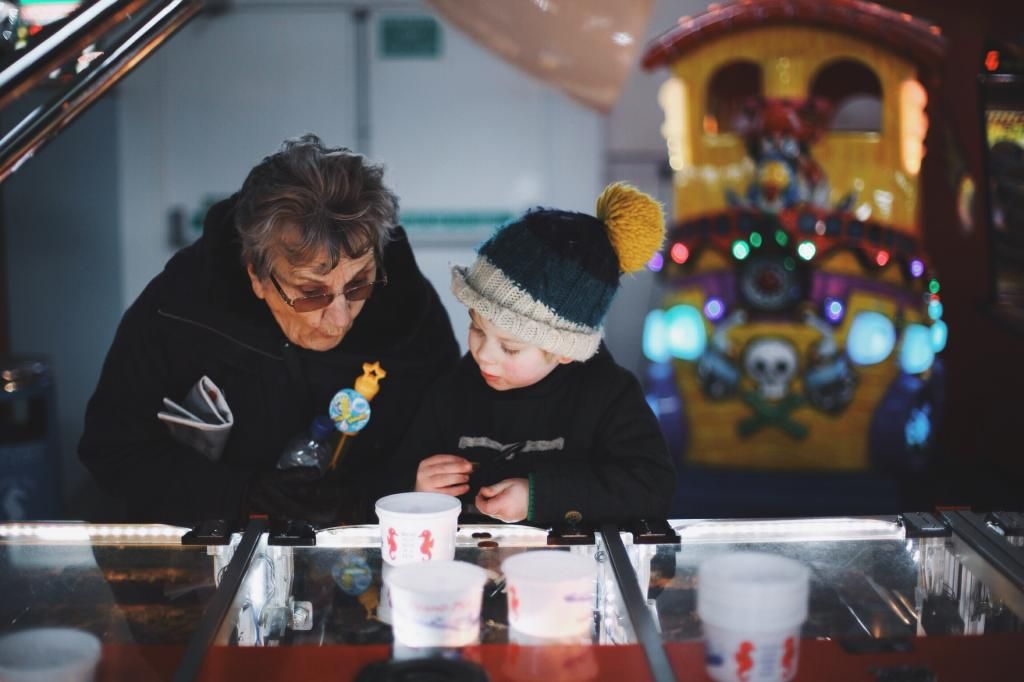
(200, 317)
(585, 433)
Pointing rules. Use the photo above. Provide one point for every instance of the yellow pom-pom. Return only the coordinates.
(636, 224)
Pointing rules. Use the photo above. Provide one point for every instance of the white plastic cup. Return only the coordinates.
(417, 527)
(436, 604)
(752, 606)
(49, 655)
(550, 593)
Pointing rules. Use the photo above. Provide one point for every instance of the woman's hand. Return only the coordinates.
(506, 500)
(446, 474)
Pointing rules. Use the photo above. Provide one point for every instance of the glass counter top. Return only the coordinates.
(868, 580)
(334, 593)
(124, 584)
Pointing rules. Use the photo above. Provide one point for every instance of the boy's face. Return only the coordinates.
(505, 362)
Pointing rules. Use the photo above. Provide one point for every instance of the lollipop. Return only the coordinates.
(350, 407)
(350, 411)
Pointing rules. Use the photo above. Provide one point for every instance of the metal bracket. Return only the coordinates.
(924, 525)
(652, 532)
(213, 532)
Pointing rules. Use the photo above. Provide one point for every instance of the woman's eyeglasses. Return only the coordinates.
(359, 291)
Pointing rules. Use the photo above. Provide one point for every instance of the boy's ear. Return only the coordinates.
(564, 360)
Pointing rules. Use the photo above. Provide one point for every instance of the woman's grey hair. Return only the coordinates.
(322, 198)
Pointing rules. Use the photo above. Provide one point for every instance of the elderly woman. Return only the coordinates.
(297, 280)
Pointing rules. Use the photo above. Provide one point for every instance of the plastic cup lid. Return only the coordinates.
(548, 566)
(752, 590)
(438, 577)
(418, 504)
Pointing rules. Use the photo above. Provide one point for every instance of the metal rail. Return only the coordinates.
(63, 44)
(45, 122)
(636, 606)
(218, 607)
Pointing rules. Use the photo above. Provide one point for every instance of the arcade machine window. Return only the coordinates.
(733, 87)
(1001, 82)
(854, 94)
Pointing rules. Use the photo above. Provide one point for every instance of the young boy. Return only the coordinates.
(538, 422)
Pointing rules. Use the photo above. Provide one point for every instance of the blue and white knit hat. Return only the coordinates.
(549, 278)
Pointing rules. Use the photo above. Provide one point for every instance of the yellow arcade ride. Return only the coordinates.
(802, 321)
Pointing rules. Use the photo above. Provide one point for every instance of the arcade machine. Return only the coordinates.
(802, 323)
(1001, 86)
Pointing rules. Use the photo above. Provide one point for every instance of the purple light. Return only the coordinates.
(656, 263)
(916, 268)
(714, 309)
(833, 310)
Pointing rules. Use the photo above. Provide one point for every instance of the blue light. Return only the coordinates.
(916, 353)
(655, 337)
(916, 268)
(872, 337)
(918, 427)
(833, 310)
(714, 309)
(935, 309)
(940, 333)
(686, 334)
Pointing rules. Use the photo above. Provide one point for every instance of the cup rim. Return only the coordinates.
(447, 504)
(548, 567)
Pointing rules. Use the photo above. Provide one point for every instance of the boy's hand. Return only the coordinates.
(446, 474)
(506, 500)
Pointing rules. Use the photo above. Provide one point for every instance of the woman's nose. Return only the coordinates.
(338, 313)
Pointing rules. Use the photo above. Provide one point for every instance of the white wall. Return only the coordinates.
(217, 98)
(63, 264)
(461, 132)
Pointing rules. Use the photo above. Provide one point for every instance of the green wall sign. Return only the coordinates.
(409, 38)
(454, 221)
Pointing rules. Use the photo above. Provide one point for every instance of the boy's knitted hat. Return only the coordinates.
(548, 278)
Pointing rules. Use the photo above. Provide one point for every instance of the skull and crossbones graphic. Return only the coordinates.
(772, 363)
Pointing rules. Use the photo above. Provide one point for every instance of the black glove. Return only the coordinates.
(298, 494)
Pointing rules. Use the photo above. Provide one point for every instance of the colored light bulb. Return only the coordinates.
(714, 309)
(686, 334)
(656, 263)
(871, 338)
(740, 249)
(655, 337)
(940, 334)
(833, 310)
(916, 351)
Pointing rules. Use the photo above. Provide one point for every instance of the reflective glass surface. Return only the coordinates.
(867, 579)
(124, 584)
(334, 593)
